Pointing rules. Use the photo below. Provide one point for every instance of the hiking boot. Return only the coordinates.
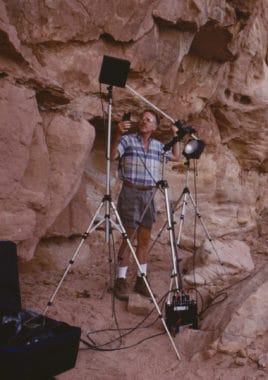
(121, 291)
(141, 288)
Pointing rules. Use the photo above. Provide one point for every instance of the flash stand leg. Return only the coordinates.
(184, 196)
(188, 195)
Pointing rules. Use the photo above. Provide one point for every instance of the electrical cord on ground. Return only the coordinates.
(224, 293)
(128, 331)
(201, 300)
(120, 348)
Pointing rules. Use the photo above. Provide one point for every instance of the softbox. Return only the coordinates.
(114, 71)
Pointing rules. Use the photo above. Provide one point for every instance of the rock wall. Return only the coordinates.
(203, 62)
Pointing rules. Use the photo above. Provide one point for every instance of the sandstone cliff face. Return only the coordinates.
(204, 62)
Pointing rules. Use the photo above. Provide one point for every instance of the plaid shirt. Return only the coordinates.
(135, 164)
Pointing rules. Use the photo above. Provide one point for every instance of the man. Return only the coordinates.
(139, 158)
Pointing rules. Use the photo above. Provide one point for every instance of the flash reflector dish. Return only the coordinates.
(193, 148)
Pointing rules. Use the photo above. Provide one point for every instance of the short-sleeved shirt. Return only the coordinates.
(136, 165)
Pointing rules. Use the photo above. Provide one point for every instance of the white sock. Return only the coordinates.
(122, 272)
(144, 270)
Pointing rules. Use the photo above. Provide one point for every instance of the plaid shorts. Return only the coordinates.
(132, 203)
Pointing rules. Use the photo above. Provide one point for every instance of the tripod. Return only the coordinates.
(109, 223)
(185, 196)
(181, 310)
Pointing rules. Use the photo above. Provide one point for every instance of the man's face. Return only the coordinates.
(147, 123)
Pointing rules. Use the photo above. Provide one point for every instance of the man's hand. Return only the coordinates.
(174, 130)
(123, 126)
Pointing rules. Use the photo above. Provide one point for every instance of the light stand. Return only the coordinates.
(180, 310)
(185, 196)
(115, 67)
(176, 272)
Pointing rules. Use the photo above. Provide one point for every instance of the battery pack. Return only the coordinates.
(181, 313)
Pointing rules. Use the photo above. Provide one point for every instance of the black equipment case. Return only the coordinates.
(32, 346)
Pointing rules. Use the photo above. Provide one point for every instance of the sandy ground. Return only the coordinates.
(140, 348)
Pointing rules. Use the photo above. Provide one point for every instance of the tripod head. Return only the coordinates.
(183, 130)
(193, 148)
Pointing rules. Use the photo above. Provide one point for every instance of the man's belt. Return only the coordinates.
(138, 187)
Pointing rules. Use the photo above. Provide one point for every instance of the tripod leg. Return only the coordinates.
(176, 273)
(172, 241)
(125, 236)
(183, 212)
(163, 226)
(92, 226)
(204, 227)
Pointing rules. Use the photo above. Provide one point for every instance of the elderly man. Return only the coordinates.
(139, 158)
